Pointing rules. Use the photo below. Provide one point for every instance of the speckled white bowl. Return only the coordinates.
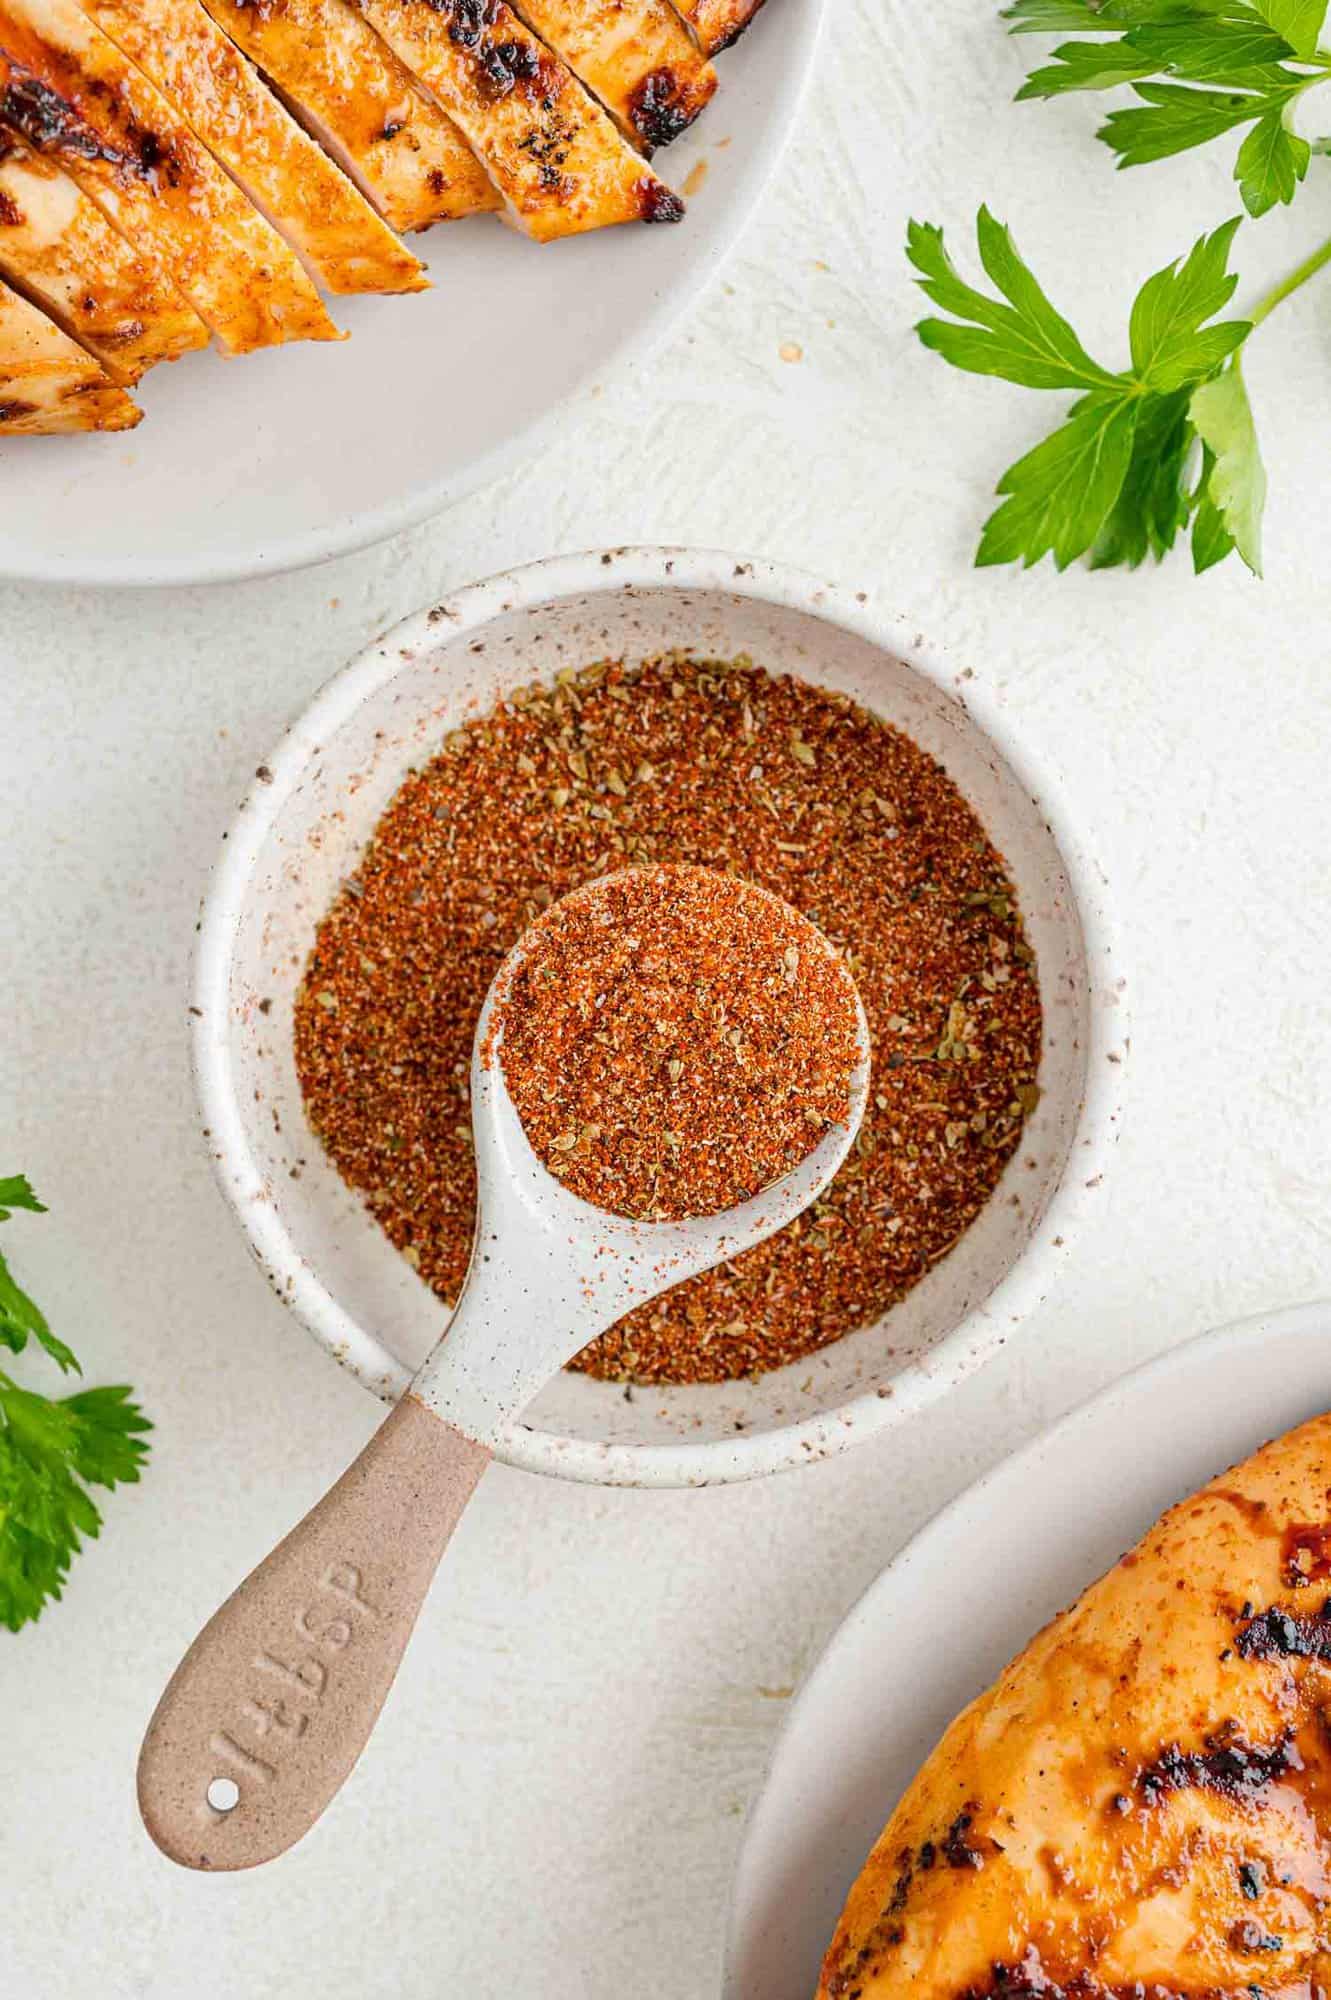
(301, 830)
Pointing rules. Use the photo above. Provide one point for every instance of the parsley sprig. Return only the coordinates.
(51, 1451)
(1167, 445)
(1145, 451)
(1200, 69)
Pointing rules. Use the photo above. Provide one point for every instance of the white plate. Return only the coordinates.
(1022, 1543)
(294, 455)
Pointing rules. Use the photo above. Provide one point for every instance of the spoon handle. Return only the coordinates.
(273, 1703)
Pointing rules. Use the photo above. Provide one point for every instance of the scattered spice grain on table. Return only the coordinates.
(794, 788)
(674, 1040)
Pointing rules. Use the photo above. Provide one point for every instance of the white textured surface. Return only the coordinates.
(552, 1806)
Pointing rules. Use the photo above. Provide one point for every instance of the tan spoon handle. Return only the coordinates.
(275, 1700)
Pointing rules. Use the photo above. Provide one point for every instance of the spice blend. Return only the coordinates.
(785, 785)
(674, 1040)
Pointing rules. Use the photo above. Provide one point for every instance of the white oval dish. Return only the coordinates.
(1019, 1545)
(301, 830)
(295, 455)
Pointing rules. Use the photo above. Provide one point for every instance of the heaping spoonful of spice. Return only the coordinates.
(670, 1065)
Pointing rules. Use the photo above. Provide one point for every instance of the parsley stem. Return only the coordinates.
(1309, 268)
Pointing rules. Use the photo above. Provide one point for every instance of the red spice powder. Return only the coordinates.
(720, 764)
(675, 1040)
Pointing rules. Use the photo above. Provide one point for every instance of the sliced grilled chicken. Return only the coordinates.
(1141, 1805)
(68, 90)
(554, 155)
(343, 242)
(363, 107)
(48, 382)
(635, 55)
(58, 247)
(717, 23)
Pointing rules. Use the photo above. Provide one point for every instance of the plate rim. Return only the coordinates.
(356, 532)
(1253, 1329)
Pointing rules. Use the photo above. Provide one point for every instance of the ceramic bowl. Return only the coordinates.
(301, 830)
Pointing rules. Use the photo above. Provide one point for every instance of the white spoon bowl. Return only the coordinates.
(541, 1253)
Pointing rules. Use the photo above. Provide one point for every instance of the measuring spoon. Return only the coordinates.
(270, 1708)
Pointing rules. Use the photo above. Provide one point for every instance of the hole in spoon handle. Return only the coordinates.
(275, 1700)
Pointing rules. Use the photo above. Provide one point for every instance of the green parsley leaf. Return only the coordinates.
(51, 1452)
(1025, 341)
(1170, 344)
(1211, 539)
(1153, 505)
(1060, 493)
(1108, 17)
(21, 1320)
(106, 1446)
(1173, 118)
(1272, 161)
(1055, 17)
(16, 1192)
(1236, 486)
(1245, 55)
(1299, 22)
(1087, 66)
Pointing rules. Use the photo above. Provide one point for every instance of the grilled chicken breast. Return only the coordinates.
(551, 151)
(68, 90)
(363, 107)
(1141, 1805)
(48, 382)
(635, 55)
(175, 170)
(717, 23)
(343, 242)
(59, 248)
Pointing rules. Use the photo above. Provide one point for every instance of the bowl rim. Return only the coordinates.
(976, 1337)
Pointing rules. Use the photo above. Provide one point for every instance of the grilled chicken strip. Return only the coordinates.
(1141, 1805)
(68, 90)
(59, 248)
(554, 155)
(344, 244)
(717, 23)
(635, 55)
(48, 383)
(363, 107)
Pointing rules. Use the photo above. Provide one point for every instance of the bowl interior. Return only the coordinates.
(321, 1245)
